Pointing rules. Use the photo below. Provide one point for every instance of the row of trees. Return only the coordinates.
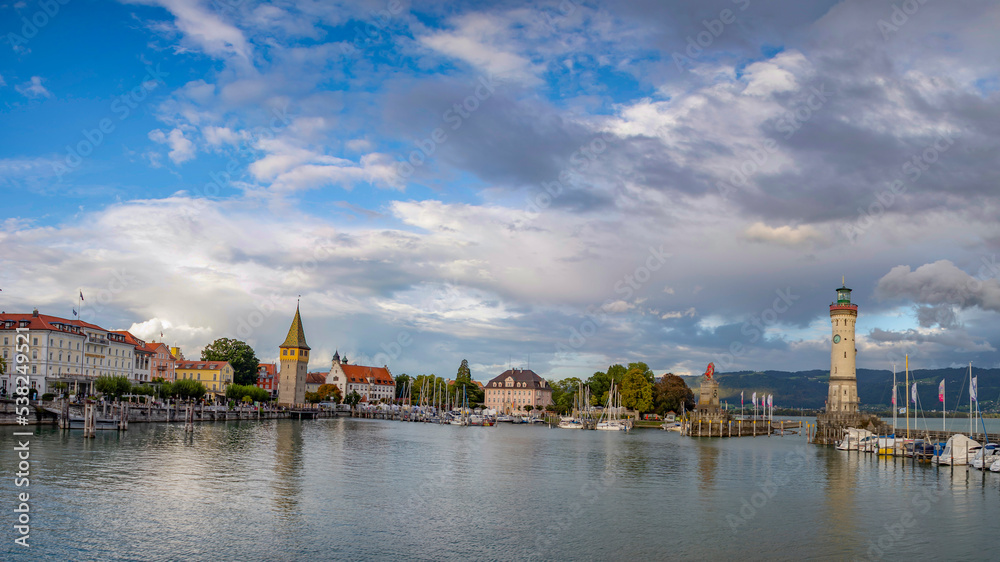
(326, 393)
(115, 387)
(463, 385)
(639, 390)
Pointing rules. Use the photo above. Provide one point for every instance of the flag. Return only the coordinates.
(941, 391)
(753, 399)
(913, 393)
(74, 312)
(770, 400)
(81, 295)
(894, 396)
(972, 388)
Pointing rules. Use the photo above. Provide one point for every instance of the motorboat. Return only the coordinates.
(958, 450)
(986, 456)
(995, 467)
(852, 439)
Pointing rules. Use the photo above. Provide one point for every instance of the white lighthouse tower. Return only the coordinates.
(843, 394)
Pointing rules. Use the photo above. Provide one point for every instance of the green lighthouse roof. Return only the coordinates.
(296, 335)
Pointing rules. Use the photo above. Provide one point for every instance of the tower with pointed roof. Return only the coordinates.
(294, 360)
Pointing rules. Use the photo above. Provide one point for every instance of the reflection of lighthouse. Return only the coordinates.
(843, 395)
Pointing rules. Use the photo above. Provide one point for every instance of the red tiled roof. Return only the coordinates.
(368, 375)
(315, 378)
(43, 322)
(201, 364)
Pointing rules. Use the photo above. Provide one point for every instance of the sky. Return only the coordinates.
(553, 185)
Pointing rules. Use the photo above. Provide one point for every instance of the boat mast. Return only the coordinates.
(894, 406)
(906, 395)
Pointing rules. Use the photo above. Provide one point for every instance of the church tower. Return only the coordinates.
(843, 395)
(294, 360)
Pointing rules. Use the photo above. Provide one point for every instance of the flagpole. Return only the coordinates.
(972, 422)
(907, 397)
(895, 408)
(944, 408)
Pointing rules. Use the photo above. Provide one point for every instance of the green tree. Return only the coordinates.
(188, 389)
(401, 381)
(62, 387)
(670, 394)
(3, 366)
(352, 399)
(464, 382)
(240, 355)
(563, 392)
(645, 370)
(637, 392)
(600, 385)
(313, 398)
(113, 386)
(617, 372)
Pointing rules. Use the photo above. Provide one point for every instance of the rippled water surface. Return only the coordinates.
(367, 489)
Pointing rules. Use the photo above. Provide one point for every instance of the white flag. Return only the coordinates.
(770, 400)
(913, 394)
(972, 389)
(754, 399)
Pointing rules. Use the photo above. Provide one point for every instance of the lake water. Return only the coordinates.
(369, 489)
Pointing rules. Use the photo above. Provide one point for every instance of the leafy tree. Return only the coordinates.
(144, 390)
(401, 381)
(464, 372)
(165, 390)
(645, 370)
(189, 389)
(637, 392)
(3, 366)
(670, 394)
(239, 392)
(60, 386)
(313, 398)
(329, 393)
(563, 392)
(617, 373)
(352, 399)
(113, 386)
(240, 355)
(600, 385)
(529, 408)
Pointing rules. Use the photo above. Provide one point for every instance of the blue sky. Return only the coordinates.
(567, 183)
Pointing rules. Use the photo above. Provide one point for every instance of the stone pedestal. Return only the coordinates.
(830, 428)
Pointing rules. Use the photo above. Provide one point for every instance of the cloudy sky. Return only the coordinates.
(562, 184)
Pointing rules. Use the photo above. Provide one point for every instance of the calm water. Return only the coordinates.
(366, 489)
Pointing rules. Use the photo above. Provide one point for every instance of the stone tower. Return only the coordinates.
(294, 360)
(843, 394)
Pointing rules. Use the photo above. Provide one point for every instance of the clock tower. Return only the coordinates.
(843, 394)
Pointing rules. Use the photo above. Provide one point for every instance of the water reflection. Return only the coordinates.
(287, 467)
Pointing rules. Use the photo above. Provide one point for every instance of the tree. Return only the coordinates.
(401, 381)
(313, 398)
(600, 385)
(352, 399)
(464, 372)
(3, 366)
(645, 370)
(637, 393)
(114, 387)
(529, 408)
(670, 394)
(563, 392)
(247, 393)
(464, 382)
(189, 389)
(61, 387)
(240, 355)
(329, 393)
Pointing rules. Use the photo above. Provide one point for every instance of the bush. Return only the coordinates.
(48, 396)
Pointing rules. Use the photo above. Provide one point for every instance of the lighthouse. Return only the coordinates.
(843, 394)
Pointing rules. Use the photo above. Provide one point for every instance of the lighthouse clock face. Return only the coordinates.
(836, 338)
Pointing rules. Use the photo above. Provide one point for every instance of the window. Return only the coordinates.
(34, 354)
(35, 341)
(845, 355)
(6, 340)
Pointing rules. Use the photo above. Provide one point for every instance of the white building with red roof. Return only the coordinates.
(62, 350)
(372, 383)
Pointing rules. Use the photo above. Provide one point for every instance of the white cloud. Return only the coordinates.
(782, 235)
(204, 29)
(33, 89)
(483, 41)
(181, 149)
(691, 312)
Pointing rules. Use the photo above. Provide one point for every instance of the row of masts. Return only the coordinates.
(913, 397)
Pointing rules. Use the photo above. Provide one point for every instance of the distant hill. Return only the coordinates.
(808, 389)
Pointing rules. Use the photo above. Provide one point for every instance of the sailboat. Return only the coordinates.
(609, 420)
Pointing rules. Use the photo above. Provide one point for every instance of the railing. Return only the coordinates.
(97, 339)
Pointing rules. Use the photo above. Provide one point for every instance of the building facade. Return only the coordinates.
(140, 358)
(63, 350)
(516, 388)
(314, 381)
(842, 397)
(373, 384)
(215, 375)
(161, 362)
(267, 377)
(294, 358)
